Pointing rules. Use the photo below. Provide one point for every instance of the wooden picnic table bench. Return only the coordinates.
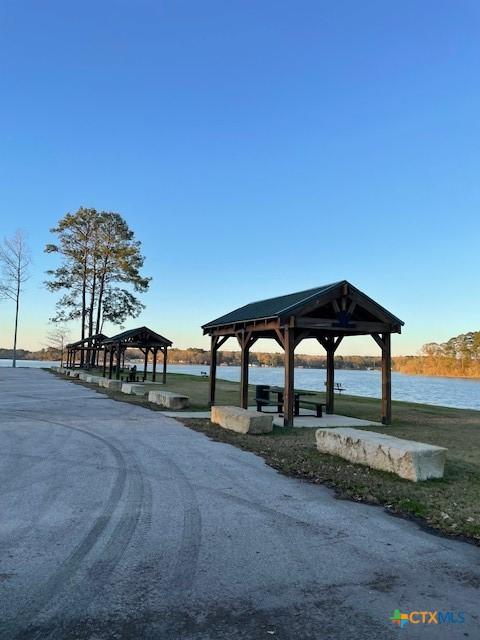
(318, 406)
(262, 399)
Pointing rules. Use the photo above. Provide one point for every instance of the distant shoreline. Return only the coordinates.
(338, 367)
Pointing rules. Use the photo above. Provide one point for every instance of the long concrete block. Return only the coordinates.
(169, 399)
(102, 382)
(113, 384)
(133, 389)
(83, 376)
(242, 420)
(73, 374)
(406, 458)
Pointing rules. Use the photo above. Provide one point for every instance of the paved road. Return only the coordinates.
(117, 522)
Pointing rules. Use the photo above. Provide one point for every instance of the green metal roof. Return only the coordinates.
(282, 305)
(96, 338)
(272, 307)
(140, 334)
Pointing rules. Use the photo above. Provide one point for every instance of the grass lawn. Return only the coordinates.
(196, 388)
(451, 504)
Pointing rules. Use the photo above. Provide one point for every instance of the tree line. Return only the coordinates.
(232, 358)
(53, 351)
(458, 357)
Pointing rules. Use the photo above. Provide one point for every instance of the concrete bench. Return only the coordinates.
(112, 384)
(406, 458)
(169, 399)
(242, 420)
(73, 374)
(133, 389)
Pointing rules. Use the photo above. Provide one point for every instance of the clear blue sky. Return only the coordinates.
(256, 147)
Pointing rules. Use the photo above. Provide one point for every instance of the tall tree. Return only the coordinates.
(76, 234)
(118, 260)
(99, 253)
(15, 260)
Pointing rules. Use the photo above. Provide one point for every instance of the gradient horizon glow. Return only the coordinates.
(256, 148)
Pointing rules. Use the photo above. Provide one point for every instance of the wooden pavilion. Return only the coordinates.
(142, 338)
(327, 314)
(86, 348)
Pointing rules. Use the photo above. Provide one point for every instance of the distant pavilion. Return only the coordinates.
(142, 338)
(327, 314)
(85, 349)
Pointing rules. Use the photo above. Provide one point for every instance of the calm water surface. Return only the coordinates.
(449, 392)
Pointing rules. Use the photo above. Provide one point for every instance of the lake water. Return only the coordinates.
(450, 392)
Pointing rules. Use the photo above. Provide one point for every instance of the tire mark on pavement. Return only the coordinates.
(72, 564)
(185, 567)
(54, 487)
(84, 590)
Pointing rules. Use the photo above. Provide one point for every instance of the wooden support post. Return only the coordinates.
(330, 344)
(244, 341)
(288, 397)
(154, 367)
(386, 380)
(145, 363)
(110, 364)
(217, 342)
(104, 361)
(165, 357)
(119, 360)
(330, 395)
(384, 342)
(213, 369)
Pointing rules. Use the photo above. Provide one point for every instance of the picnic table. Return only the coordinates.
(297, 394)
(280, 392)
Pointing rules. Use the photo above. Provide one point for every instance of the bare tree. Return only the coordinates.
(15, 260)
(57, 338)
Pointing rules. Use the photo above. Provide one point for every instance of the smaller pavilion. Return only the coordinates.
(326, 314)
(88, 349)
(142, 338)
